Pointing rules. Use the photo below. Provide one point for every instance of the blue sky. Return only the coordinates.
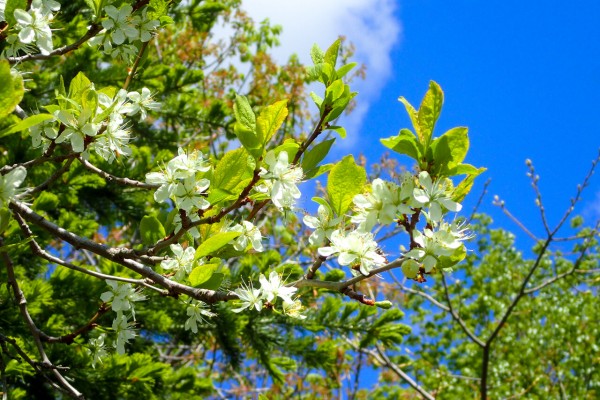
(523, 76)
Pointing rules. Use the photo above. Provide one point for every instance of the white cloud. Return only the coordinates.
(369, 24)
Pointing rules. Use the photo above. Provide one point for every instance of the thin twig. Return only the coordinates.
(457, 318)
(116, 179)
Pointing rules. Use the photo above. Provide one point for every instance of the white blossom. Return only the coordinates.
(249, 298)
(10, 183)
(113, 143)
(354, 248)
(34, 25)
(190, 194)
(433, 196)
(442, 242)
(196, 311)
(182, 262)
(250, 234)
(280, 180)
(122, 296)
(97, 349)
(167, 181)
(323, 224)
(140, 103)
(187, 165)
(274, 287)
(78, 125)
(383, 204)
(120, 23)
(124, 331)
(293, 309)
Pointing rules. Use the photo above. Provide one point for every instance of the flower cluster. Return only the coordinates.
(433, 196)
(122, 297)
(270, 289)
(178, 182)
(122, 26)
(384, 204)
(95, 125)
(355, 248)
(33, 28)
(280, 180)
(433, 244)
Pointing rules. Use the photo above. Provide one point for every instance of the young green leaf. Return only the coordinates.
(202, 274)
(26, 123)
(11, 89)
(315, 155)
(270, 119)
(346, 180)
(429, 111)
(405, 143)
(332, 52)
(151, 230)
(214, 243)
(450, 149)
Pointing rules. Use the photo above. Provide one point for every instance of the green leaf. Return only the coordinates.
(245, 127)
(405, 143)
(202, 274)
(232, 171)
(26, 123)
(290, 146)
(78, 86)
(270, 119)
(464, 187)
(151, 230)
(214, 243)
(320, 170)
(446, 262)
(414, 117)
(344, 69)
(332, 52)
(334, 91)
(214, 282)
(340, 130)
(5, 217)
(346, 180)
(317, 99)
(464, 169)
(9, 11)
(11, 89)
(429, 111)
(315, 155)
(450, 149)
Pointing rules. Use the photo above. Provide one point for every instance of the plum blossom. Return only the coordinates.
(383, 204)
(323, 224)
(78, 125)
(354, 248)
(122, 296)
(34, 25)
(280, 180)
(181, 263)
(196, 311)
(140, 103)
(274, 287)
(433, 196)
(121, 24)
(124, 331)
(190, 194)
(97, 349)
(249, 298)
(293, 309)
(250, 234)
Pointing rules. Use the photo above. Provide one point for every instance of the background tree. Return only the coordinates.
(152, 245)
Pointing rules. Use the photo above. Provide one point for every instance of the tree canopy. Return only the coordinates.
(155, 242)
